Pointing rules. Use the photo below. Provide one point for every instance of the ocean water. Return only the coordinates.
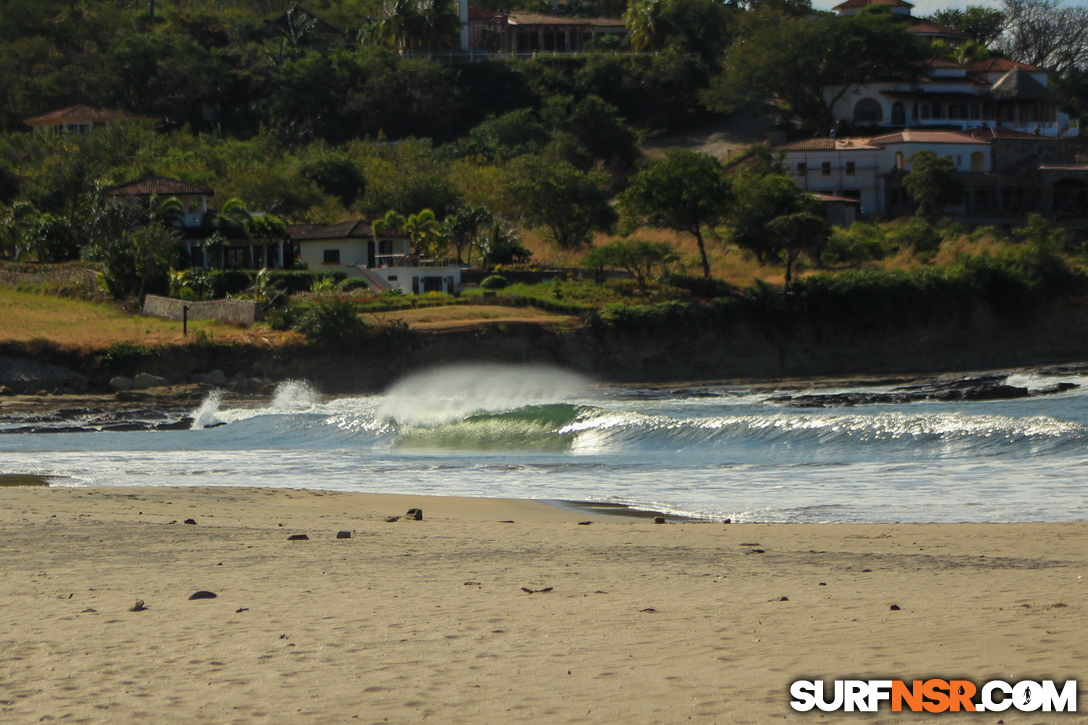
(532, 432)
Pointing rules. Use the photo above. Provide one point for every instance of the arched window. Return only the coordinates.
(899, 160)
(899, 114)
(868, 112)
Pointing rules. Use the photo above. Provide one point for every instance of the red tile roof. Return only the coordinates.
(912, 136)
(827, 143)
(999, 65)
(995, 132)
(157, 186)
(349, 229)
(922, 26)
(534, 19)
(75, 113)
(851, 4)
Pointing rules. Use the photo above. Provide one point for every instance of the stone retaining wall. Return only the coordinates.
(240, 311)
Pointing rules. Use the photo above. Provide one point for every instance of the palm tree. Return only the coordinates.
(392, 223)
(403, 26)
(443, 23)
(425, 232)
(15, 225)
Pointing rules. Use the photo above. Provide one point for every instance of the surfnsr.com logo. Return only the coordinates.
(934, 695)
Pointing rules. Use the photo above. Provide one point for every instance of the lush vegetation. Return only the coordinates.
(492, 163)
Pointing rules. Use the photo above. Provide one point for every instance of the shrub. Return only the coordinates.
(334, 323)
(123, 355)
(495, 281)
(860, 242)
(353, 284)
(703, 287)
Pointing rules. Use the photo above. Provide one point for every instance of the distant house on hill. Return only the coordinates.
(198, 224)
(948, 95)
(920, 26)
(1006, 174)
(79, 119)
(385, 262)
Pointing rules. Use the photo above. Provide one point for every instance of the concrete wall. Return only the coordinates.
(239, 311)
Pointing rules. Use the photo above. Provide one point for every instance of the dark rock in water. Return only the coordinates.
(979, 387)
(659, 519)
(584, 523)
(414, 514)
(391, 519)
(189, 521)
(894, 608)
(298, 537)
(343, 534)
(203, 594)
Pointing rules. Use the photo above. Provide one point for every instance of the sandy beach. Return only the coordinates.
(629, 621)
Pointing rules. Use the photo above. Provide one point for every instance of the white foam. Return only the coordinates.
(447, 394)
(208, 412)
(293, 396)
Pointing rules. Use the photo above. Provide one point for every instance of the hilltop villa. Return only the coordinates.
(996, 92)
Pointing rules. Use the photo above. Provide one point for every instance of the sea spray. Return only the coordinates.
(293, 395)
(447, 394)
(207, 415)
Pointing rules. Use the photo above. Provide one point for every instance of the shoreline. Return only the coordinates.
(490, 608)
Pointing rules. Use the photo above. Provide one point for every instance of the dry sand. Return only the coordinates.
(428, 619)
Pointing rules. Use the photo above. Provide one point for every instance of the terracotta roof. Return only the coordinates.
(349, 229)
(1018, 85)
(851, 4)
(923, 26)
(942, 63)
(825, 198)
(999, 65)
(911, 136)
(534, 19)
(75, 113)
(998, 132)
(826, 143)
(157, 186)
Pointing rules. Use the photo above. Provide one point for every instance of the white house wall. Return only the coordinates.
(864, 182)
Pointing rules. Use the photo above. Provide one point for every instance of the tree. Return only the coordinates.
(983, 24)
(685, 191)
(759, 200)
(796, 234)
(424, 231)
(793, 60)
(932, 183)
(636, 256)
(16, 223)
(571, 204)
(698, 27)
(464, 227)
(1046, 33)
(133, 259)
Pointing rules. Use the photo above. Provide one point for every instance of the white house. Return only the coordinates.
(385, 262)
(860, 168)
(1006, 174)
(995, 92)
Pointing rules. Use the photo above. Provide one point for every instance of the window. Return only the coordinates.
(850, 168)
(825, 168)
(331, 256)
(868, 111)
(899, 160)
(802, 169)
(959, 161)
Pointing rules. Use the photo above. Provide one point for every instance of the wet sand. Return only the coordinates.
(628, 621)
